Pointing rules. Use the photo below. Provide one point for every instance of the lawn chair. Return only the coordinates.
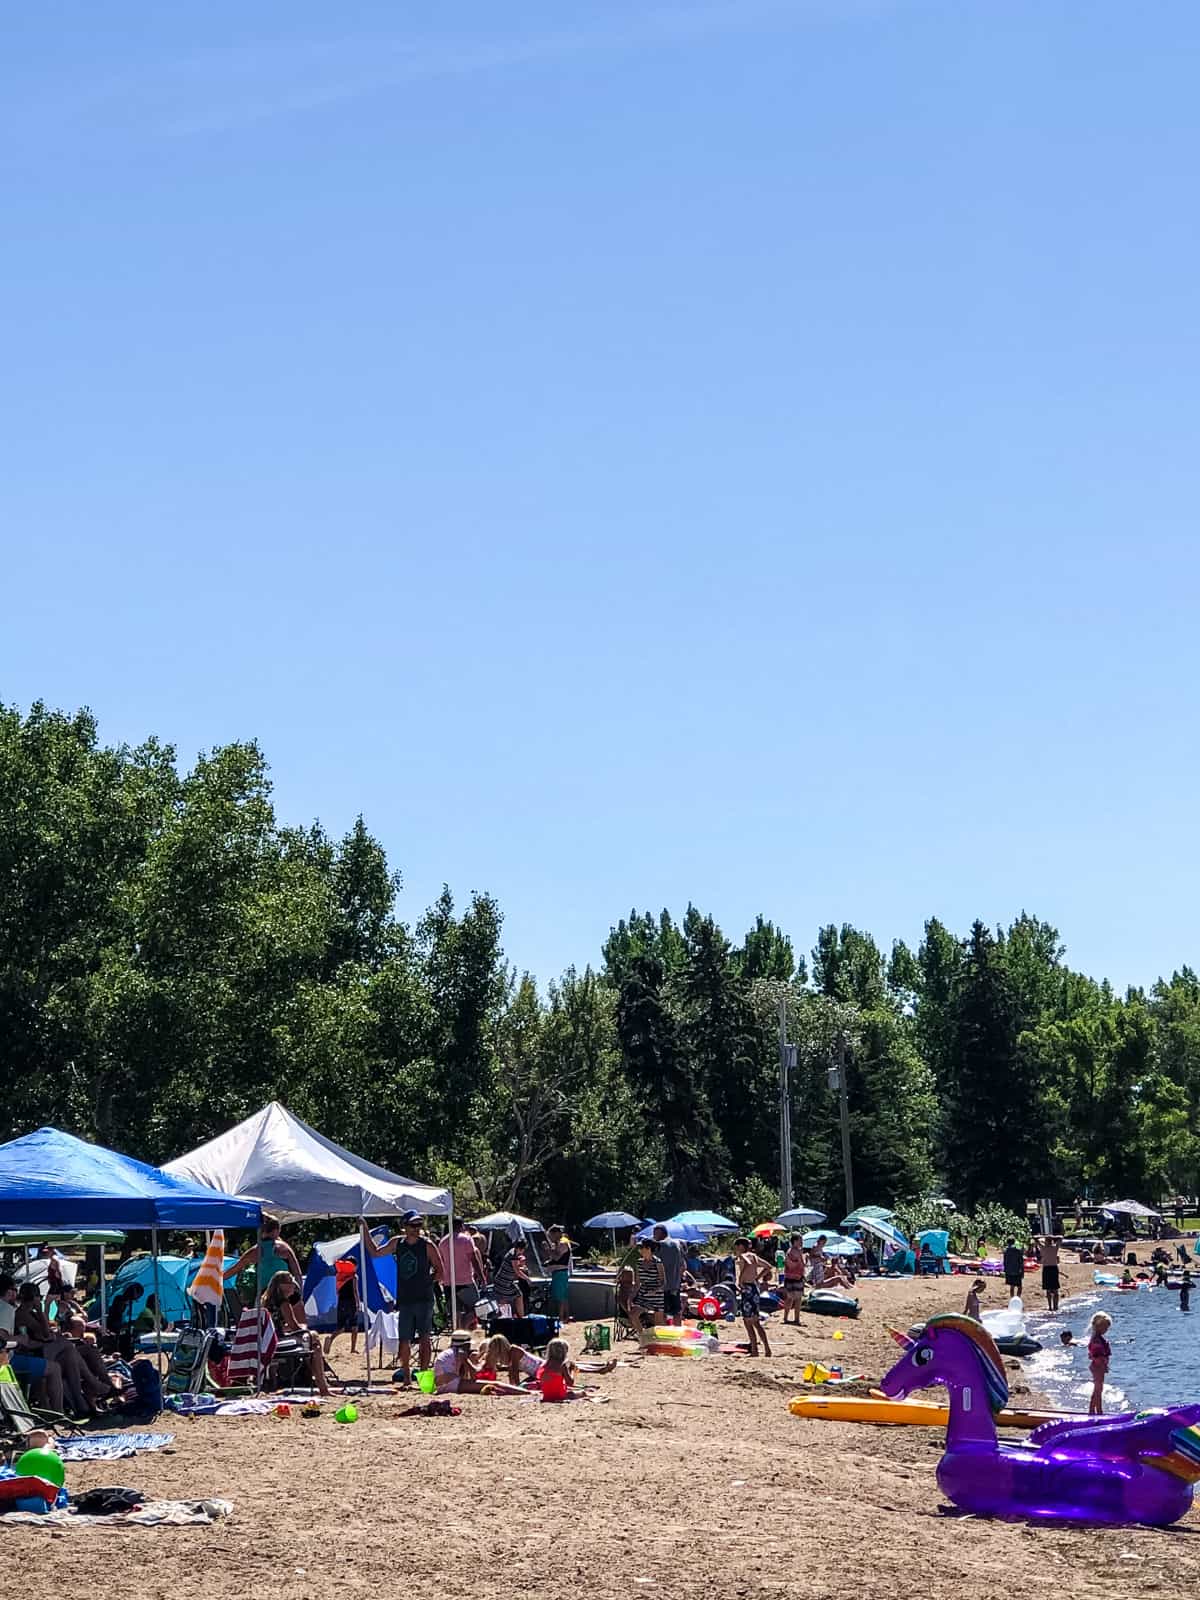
(187, 1369)
(19, 1417)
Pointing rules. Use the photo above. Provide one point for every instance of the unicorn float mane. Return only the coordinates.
(985, 1347)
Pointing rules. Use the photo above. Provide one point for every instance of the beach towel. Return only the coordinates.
(155, 1513)
(111, 1446)
(243, 1358)
(207, 1288)
(383, 1335)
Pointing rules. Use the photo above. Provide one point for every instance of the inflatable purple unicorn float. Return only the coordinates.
(1140, 1467)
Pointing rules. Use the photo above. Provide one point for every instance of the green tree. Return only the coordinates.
(992, 1134)
(671, 1096)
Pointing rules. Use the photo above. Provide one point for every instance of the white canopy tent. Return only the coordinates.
(297, 1173)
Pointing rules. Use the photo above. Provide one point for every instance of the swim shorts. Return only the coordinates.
(1050, 1280)
(748, 1299)
(672, 1303)
(793, 1286)
(413, 1319)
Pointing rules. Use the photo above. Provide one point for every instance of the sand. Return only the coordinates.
(692, 1480)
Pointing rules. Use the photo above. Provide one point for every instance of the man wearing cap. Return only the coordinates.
(418, 1272)
(670, 1253)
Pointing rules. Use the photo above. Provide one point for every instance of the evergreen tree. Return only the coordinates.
(993, 1141)
(672, 1098)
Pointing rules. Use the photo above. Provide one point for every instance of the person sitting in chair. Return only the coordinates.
(40, 1373)
(36, 1335)
(285, 1305)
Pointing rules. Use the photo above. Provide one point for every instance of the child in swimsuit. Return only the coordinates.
(1099, 1356)
(752, 1273)
(556, 1377)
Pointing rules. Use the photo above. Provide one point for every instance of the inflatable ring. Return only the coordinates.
(708, 1308)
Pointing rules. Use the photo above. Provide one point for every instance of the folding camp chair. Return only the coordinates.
(187, 1369)
(19, 1418)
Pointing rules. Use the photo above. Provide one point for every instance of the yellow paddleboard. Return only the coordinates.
(853, 1408)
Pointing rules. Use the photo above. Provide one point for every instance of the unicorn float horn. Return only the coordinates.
(902, 1339)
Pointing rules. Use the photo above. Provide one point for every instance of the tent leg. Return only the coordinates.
(157, 1300)
(103, 1287)
(258, 1301)
(453, 1284)
(366, 1310)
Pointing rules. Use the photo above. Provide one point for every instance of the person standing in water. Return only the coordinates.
(1050, 1271)
(1099, 1356)
(1185, 1291)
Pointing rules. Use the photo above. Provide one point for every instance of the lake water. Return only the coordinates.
(1155, 1349)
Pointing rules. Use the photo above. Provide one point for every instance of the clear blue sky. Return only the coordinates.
(632, 452)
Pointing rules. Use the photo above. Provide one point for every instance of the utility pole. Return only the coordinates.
(844, 1111)
(787, 1060)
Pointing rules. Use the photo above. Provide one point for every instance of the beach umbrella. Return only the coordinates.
(800, 1217)
(868, 1213)
(843, 1247)
(682, 1231)
(835, 1244)
(612, 1220)
(501, 1221)
(706, 1221)
(1129, 1208)
(766, 1229)
(883, 1230)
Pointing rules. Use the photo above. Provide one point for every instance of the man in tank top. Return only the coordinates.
(418, 1272)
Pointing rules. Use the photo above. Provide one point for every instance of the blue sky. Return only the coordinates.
(631, 452)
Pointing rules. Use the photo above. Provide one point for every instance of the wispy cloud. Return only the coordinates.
(215, 91)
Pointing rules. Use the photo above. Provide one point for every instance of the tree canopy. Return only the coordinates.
(172, 955)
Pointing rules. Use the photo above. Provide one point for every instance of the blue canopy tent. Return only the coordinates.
(376, 1278)
(52, 1180)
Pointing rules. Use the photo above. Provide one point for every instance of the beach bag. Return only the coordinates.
(147, 1387)
(108, 1502)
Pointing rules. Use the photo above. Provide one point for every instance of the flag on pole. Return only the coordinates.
(208, 1286)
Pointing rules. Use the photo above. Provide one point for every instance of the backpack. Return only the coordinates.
(147, 1387)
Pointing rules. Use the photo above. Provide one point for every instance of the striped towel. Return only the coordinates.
(243, 1358)
(208, 1286)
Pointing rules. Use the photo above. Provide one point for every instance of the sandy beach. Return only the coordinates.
(692, 1478)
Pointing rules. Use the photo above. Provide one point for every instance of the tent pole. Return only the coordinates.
(157, 1299)
(363, 1297)
(103, 1290)
(258, 1303)
(453, 1284)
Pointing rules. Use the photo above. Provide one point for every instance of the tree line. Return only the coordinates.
(172, 956)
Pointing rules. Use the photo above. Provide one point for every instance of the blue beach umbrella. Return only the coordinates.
(612, 1220)
(684, 1232)
(706, 1221)
(835, 1245)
